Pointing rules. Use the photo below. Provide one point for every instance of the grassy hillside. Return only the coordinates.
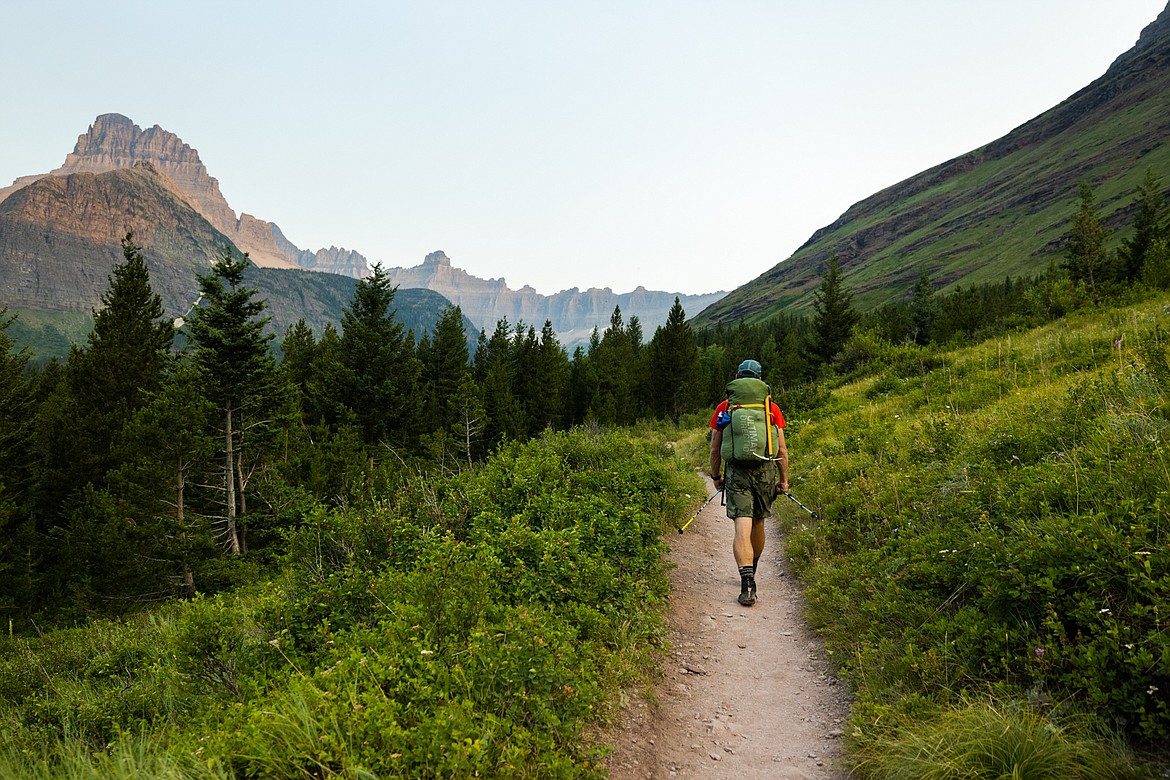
(1001, 210)
(995, 538)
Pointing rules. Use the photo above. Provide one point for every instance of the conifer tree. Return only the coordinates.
(379, 372)
(923, 309)
(444, 363)
(674, 366)
(168, 446)
(1151, 223)
(495, 363)
(1086, 256)
(16, 468)
(298, 349)
(613, 360)
(126, 355)
(552, 375)
(231, 352)
(469, 418)
(835, 316)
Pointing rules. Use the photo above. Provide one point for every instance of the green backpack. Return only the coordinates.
(752, 435)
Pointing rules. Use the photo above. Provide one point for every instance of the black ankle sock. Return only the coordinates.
(755, 564)
(747, 572)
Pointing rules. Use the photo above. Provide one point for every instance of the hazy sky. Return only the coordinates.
(683, 146)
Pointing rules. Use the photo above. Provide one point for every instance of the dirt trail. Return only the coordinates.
(746, 692)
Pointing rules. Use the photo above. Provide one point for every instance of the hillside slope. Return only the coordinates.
(1001, 210)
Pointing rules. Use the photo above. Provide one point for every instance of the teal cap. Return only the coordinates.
(750, 368)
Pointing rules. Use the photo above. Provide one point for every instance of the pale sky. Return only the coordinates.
(683, 146)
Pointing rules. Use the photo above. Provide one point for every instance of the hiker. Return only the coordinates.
(748, 439)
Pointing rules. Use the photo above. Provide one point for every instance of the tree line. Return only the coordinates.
(161, 459)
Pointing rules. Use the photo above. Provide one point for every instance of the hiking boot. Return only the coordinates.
(747, 595)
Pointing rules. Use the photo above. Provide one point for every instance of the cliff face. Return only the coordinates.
(114, 142)
(60, 239)
(573, 313)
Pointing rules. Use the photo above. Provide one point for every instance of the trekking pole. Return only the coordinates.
(700, 510)
(815, 516)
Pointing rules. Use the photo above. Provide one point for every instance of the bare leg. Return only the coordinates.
(743, 546)
(757, 538)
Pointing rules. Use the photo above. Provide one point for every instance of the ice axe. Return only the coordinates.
(700, 510)
(815, 516)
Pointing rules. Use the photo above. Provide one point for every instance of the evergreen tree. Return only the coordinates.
(89, 559)
(550, 407)
(469, 419)
(322, 400)
(298, 349)
(380, 374)
(444, 363)
(1150, 224)
(613, 360)
(923, 309)
(583, 384)
(495, 363)
(835, 316)
(237, 370)
(674, 366)
(126, 355)
(1086, 256)
(16, 470)
(168, 446)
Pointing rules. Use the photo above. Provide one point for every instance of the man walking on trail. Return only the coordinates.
(747, 438)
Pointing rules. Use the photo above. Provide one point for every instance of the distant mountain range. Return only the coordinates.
(998, 211)
(573, 312)
(60, 232)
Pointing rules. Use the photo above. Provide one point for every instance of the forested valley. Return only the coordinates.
(373, 553)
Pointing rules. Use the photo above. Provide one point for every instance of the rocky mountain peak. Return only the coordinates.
(437, 258)
(114, 141)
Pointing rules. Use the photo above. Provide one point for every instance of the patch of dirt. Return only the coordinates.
(746, 691)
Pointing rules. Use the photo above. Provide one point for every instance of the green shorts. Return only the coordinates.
(749, 490)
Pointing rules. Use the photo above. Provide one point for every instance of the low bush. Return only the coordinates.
(472, 624)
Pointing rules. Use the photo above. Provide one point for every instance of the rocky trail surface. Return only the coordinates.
(746, 691)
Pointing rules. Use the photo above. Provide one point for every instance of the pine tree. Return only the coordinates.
(923, 309)
(674, 366)
(1086, 256)
(835, 316)
(231, 352)
(168, 445)
(469, 418)
(379, 377)
(16, 468)
(552, 372)
(1151, 223)
(127, 354)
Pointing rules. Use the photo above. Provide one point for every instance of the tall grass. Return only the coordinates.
(990, 741)
(995, 522)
